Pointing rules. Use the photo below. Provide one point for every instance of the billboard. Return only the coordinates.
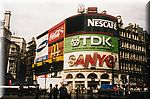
(91, 42)
(42, 49)
(92, 23)
(55, 42)
(91, 50)
(56, 33)
(88, 59)
(55, 51)
(102, 24)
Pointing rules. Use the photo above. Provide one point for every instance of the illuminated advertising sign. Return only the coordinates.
(56, 33)
(56, 51)
(102, 23)
(91, 42)
(88, 59)
(91, 50)
(42, 49)
(55, 42)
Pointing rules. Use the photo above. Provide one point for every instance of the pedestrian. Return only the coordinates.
(50, 91)
(69, 91)
(77, 92)
(91, 92)
(63, 92)
(55, 91)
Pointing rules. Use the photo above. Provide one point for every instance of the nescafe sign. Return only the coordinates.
(102, 23)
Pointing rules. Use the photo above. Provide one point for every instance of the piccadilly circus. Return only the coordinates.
(82, 50)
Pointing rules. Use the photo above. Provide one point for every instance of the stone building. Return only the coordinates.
(5, 34)
(29, 60)
(16, 64)
(133, 55)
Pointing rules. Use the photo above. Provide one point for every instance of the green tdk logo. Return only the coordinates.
(92, 40)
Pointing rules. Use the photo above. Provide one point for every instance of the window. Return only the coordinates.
(69, 76)
(80, 75)
(104, 76)
(92, 75)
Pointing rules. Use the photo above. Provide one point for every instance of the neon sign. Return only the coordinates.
(95, 60)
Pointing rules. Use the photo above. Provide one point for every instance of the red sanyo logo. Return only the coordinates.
(86, 60)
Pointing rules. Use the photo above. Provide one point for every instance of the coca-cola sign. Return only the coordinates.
(56, 33)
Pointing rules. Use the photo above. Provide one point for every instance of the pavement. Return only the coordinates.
(73, 96)
(83, 96)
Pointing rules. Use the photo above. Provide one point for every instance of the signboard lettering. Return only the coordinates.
(102, 23)
(95, 40)
(56, 34)
(88, 59)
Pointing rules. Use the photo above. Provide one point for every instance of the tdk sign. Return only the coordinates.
(94, 41)
(102, 23)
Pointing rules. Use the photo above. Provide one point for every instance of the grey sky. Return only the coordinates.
(32, 17)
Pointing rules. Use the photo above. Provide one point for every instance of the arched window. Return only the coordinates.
(80, 75)
(92, 75)
(69, 76)
(104, 76)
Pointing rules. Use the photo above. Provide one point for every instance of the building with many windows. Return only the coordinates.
(29, 60)
(133, 54)
(16, 65)
(14, 60)
(148, 39)
(5, 36)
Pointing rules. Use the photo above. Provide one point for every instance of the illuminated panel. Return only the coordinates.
(91, 50)
(42, 49)
(91, 42)
(55, 42)
(88, 59)
(56, 51)
(56, 33)
(56, 46)
(92, 23)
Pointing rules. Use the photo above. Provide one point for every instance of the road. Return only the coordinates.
(138, 95)
(80, 96)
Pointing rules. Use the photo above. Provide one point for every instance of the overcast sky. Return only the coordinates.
(30, 18)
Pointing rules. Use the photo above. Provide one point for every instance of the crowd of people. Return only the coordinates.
(63, 91)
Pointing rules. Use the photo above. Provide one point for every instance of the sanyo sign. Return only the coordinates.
(102, 23)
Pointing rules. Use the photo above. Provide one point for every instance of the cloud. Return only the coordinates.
(33, 17)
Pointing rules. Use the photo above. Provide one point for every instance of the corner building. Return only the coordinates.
(82, 50)
(87, 50)
(90, 50)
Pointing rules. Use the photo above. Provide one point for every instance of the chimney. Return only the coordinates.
(7, 19)
(92, 10)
